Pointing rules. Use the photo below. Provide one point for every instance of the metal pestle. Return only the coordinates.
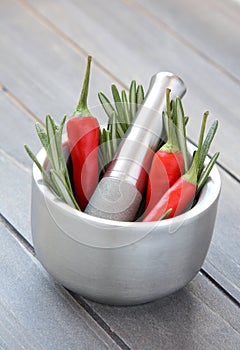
(119, 193)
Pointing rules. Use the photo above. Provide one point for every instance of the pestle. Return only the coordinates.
(119, 193)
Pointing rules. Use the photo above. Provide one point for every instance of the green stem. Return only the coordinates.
(181, 131)
(171, 145)
(168, 106)
(82, 107)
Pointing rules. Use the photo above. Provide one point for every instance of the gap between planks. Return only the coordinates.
(77, 48)
(42, 19)
(19, 104)
(180, 38)
(146, 14)
(220, 287)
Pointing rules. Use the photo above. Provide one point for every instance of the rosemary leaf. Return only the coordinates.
(114, 134)
(45, 175)
(103, 147)
(42, 135)
(109, 146)
(164, 216)
(206, 145)
(173, 112)
(107, 106)
(119, 107)
(52, 151)
(206, 172)
(127, 118)
(181, 131)
(62, 161)
(65, 194)
(133, 99)
(140, 95)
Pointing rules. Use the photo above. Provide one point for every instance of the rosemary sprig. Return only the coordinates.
(206, 171)
(206, 145)
(58, 177)
(120, 115)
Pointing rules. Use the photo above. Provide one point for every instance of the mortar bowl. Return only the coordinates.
(121, 263)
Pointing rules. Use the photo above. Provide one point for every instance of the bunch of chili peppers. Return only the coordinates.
(173, 186)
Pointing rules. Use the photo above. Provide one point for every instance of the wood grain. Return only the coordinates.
(41, 69)
(197, 317)
(43, 50)
(210, 27)
(36, 312)
(131, 45)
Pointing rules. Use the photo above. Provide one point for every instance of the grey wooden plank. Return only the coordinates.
(132, 45)
(37, 313)
(197, 317)
(40, 69)
(15, 176)
(211, 27)
(223, 259)
(15, 194)
(16, 130)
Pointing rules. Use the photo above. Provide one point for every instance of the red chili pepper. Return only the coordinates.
(182, 193)
(83, 138)
(176, 198)
(167, 165)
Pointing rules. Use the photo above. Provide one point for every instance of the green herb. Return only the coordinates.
(204, 177)
(206, 145)
(120, 115)
(58, 177)
(164, 216)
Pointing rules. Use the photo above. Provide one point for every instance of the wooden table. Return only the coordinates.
(43, 51)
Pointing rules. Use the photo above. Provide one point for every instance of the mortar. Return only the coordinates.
(121, 263)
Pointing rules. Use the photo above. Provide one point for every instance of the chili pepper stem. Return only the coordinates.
(82, 107)
(171, 144)
(191, 174)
